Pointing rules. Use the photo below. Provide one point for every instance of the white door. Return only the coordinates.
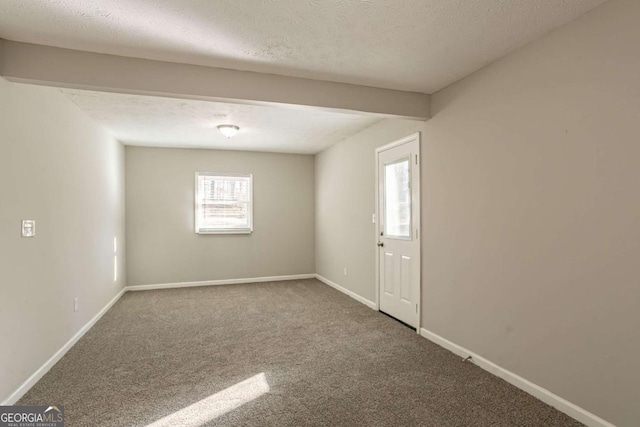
(398, 230)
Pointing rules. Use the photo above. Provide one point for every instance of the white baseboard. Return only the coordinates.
(220, 282)
(353, 295)
(563, 405)
(42, 370)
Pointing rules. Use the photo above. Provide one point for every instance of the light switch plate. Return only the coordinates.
(28, 228)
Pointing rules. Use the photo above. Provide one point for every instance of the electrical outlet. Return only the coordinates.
(345, 271)
(28, 228)
(76, 304)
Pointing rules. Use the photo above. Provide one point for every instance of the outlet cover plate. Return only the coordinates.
(28, 228)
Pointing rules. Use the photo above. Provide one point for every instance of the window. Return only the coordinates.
(224, 203)
(397, 199)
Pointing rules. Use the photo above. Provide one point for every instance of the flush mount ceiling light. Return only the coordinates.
(228, 130)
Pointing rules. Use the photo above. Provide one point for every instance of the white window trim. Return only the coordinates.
(248, 230)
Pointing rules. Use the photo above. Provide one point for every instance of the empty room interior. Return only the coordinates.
(320, 213)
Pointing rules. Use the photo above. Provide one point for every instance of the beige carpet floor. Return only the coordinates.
(295, 353)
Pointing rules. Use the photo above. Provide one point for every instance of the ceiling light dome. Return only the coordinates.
(228, 130)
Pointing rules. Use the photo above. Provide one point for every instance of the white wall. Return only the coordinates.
(62, 170)
(531, 230)
(162, 246)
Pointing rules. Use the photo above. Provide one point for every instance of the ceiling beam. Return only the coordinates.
(52, 66)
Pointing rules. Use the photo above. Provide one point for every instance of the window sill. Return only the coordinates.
(224, 232)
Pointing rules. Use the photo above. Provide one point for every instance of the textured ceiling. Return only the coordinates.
(167, 122)
(416, 45)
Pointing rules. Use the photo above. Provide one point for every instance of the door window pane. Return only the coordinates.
(397, 199)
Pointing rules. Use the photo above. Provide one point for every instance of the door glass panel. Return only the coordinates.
(397, 199)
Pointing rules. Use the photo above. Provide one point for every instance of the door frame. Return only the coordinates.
(417, 223)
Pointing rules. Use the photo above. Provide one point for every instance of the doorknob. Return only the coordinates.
(380, 244)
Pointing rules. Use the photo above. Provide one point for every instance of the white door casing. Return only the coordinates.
(398, 229)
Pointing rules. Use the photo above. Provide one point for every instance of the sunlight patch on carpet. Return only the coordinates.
(217, 404)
